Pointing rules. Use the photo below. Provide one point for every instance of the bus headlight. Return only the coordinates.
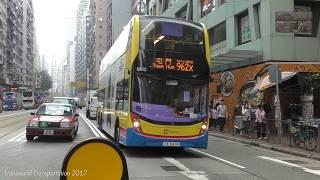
(204, 126)
(136, 124)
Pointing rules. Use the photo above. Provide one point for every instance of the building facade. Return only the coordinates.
(17, 44)
(250, 38)
(98, 38)
(3, 43)
(80, 46)
(107, 19)
(28, 43)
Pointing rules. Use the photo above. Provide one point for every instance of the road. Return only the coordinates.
(223, 159)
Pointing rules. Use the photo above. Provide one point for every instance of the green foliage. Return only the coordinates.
(310, 81)
(46, 81)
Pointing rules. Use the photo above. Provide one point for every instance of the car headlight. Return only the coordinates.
(65, 124)
(34, 123)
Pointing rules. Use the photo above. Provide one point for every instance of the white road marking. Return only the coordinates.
(278, 161)
(197, 175)
(18, 136)
(219, 159)
(23, 137)
(15, 114)
(93, 128)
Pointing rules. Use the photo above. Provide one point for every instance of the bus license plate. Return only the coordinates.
(48, 132)
(171, 144)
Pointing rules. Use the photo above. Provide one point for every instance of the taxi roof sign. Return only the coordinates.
(94, 158)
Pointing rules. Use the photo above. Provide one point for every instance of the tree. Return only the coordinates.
(46, 81)
(309, 82)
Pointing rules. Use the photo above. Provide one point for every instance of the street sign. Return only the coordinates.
(78, 84)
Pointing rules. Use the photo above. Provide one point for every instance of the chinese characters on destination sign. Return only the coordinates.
(173, 64)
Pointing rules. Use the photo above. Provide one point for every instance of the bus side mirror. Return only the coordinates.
(94, 158)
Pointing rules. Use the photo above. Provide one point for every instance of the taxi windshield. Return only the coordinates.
(54, 110)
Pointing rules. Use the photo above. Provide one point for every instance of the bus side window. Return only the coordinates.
(119, 95)
(125, 94)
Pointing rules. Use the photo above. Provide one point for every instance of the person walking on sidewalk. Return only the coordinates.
(222, 114)
(246, 112)
(260, 122)
(214, 116)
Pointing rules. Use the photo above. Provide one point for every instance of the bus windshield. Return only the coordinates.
(169, 100)
(27, 94)
(169, 35)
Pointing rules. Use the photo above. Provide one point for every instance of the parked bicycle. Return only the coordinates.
(305, 133)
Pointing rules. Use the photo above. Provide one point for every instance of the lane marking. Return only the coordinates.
(22, 137)
(100, 134)
(218, 159)
(278, 161)
(196, 175)
(93, 127)
(18, 136)
(15, 114)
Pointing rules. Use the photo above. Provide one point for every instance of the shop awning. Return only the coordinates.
(264, 83)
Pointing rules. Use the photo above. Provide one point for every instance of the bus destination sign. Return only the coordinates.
(173, 64)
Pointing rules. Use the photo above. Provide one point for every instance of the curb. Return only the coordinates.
(269, 147)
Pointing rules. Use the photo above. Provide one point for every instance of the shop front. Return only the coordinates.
(299, 96)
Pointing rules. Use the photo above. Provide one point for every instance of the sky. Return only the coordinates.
(55, 25)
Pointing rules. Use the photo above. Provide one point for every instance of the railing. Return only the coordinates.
(301, 134)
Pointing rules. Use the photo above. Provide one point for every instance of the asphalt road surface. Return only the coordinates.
(224, 159)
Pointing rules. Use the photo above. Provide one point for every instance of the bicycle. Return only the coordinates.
(303, 133)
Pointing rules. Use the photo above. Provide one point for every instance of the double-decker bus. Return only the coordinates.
(28, 100)
(153, 83)
(11, 100)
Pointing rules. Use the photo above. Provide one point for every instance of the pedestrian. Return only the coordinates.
(246, 112)
(214, 115)
(260, 122)
(237, 119)
(222, 114)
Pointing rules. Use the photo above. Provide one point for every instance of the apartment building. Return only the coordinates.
(3, 43)
(107, 19)
(16, 43)
(80, 45)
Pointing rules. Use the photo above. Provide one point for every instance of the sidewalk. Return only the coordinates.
(263, 144)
